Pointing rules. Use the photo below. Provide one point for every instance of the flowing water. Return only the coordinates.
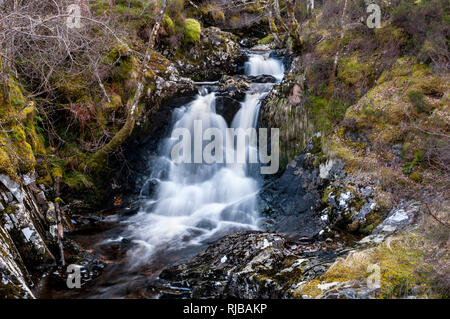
(198, 203)
(191, 205)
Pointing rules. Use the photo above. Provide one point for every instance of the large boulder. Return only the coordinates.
(292, 201)
(26, 233)
(216, 54)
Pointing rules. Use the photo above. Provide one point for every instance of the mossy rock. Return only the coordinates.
(168, 25)
(353, 71)
(116, 102)
(401, 265)
(267, 40)
(192, 31)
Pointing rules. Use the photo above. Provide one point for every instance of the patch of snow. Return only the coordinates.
(299, 262)
(224, 259)
(345, 196)
(27, 179)
(389, 229)
(399, 216)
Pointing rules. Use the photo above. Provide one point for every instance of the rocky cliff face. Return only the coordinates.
(27, 230)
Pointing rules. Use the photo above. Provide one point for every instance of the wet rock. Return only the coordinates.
(230, 92)
(150, 188)
(14, 280)
(25, 235)
(262, 47)
(346, 290)
(262, 79)
(227, 107)
(292, 200)
(50, 215)
(248, 42)
(398, 218)
(249, 265)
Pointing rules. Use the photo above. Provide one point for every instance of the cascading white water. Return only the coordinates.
(259, 64)
(197, 203)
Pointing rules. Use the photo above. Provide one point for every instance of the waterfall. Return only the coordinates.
(195, 204)
(260, 64)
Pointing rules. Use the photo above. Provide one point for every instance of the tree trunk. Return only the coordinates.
(273, 28)
(293, 25)
(133, 103)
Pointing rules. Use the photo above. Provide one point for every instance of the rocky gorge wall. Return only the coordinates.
(28, 227)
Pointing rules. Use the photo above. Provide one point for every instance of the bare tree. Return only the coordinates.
(336, 57)
(132, 104)
(40, 40)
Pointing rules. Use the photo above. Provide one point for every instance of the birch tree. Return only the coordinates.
(132, 104)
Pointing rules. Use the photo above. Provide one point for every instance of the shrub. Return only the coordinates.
(426, 24)
(192, 31)
(419, 103)
(407, 170)
(168, 25)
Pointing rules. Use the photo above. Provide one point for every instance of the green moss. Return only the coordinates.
(168, 25)
(17, 134)
(309, 289)
(116, 102)
(192, 31)
(324, 113)
(57, 172)
(326, 194)
(215, 13)
(269, 39)
(389, 34)
(78, 181)
(72, 88)
(416, 177)
(254, 8)
(352, 71)
(415, 162)
(328, 47)
(401, 268)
